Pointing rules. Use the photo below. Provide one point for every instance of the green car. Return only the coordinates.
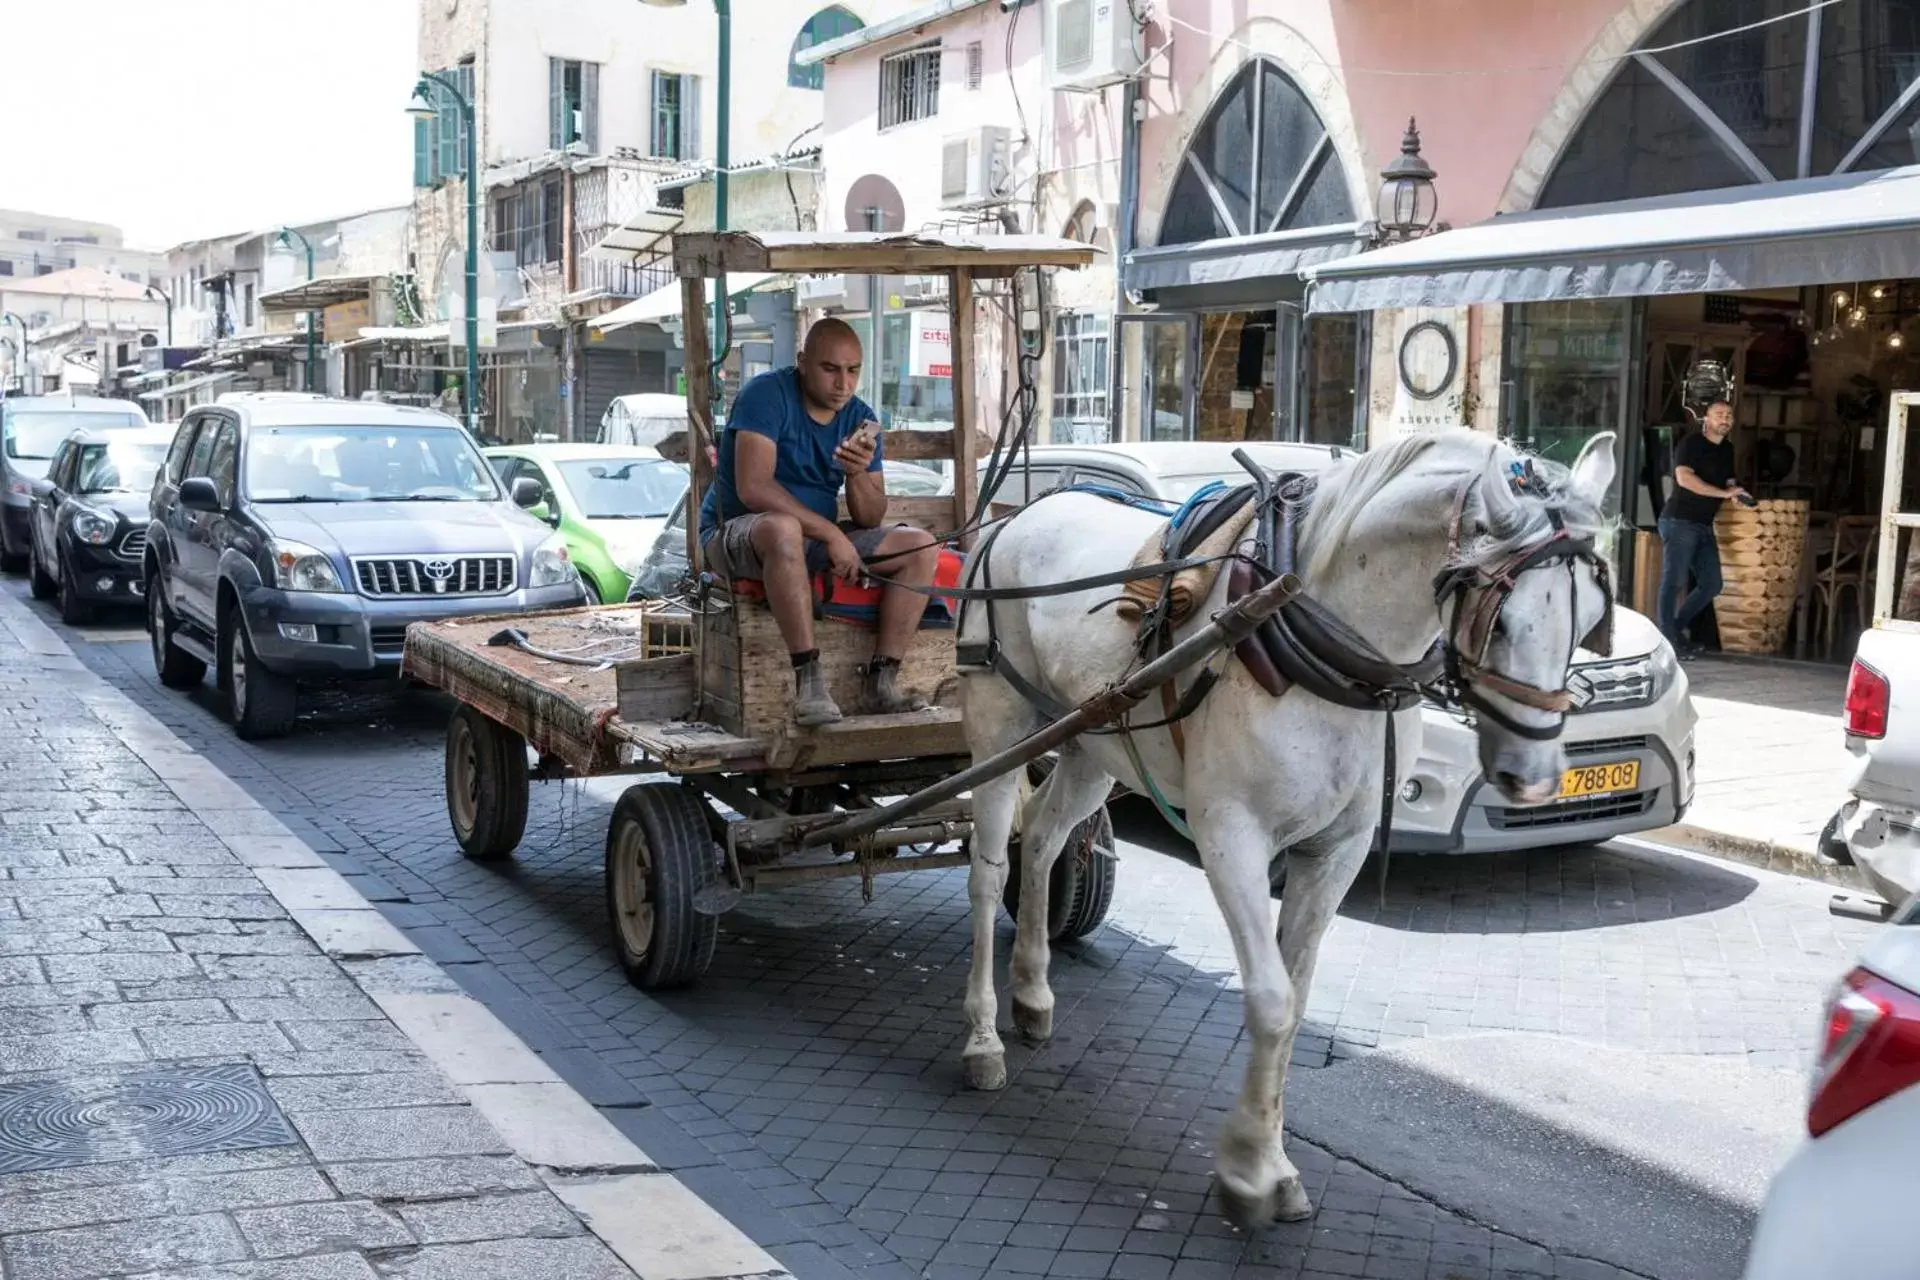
(609, 500)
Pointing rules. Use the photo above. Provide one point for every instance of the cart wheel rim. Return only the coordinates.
(633, 870)
(237, 669)
(464, 794)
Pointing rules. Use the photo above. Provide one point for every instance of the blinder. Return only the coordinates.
(1480, 596)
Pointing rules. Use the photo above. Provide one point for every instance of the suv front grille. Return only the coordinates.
(434, 575)
(1564, 812)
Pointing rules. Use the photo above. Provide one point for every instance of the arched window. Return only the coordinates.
(1228, 186)
(1831, 91)
(829, 24)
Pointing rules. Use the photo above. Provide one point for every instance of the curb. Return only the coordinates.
(1768, 855)
(646, 1216)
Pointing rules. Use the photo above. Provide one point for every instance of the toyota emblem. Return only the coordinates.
(439, 572)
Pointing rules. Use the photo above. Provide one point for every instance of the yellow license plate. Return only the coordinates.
(1599, 779)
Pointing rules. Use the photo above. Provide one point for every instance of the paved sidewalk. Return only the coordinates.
(217, 1061)
(1771, 763)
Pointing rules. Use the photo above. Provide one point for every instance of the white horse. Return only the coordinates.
(1261, 775)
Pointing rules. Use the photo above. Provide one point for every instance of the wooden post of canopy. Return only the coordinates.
(700, 428)
(965, 413)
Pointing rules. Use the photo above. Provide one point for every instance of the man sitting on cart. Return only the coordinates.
(792, 441)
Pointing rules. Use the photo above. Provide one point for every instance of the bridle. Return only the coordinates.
(1479, 595)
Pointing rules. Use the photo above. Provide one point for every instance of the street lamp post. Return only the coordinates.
(285, 239)
(167, 298)
(19, 351)
(723, 88)
(422, 105)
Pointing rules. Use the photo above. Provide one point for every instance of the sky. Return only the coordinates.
(182, 119)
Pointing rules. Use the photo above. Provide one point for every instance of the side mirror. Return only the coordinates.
(526, 492)
(541, 511)
(198, 493)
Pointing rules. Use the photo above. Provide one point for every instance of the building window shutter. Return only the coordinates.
(590, 106)
(689, 118)
(422, 152)
(463, 76)
(446, 114)
(556, 103)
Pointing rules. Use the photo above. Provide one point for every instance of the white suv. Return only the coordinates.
(1629, 739)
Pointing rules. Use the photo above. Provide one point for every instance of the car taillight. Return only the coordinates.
(1867, 696)
(1871, 1049)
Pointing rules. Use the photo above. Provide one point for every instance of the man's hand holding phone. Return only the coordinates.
(855, 453)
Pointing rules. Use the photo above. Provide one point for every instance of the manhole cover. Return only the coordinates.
(163, 1111)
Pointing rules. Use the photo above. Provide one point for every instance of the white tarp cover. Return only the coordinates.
(1842, 228)
(664, 303)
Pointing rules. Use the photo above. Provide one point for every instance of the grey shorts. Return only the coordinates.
(732, 545)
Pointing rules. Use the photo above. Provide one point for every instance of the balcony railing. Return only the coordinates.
(619, 279)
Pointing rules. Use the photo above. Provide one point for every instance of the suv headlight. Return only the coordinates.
(299, 567)
(94, 528)
(552, 564)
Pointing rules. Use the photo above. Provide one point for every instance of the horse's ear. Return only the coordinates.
(1594, 469)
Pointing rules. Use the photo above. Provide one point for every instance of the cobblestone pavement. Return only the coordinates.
(191, 1087)
(809, 1087)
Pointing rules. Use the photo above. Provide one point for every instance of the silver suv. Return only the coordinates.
(293, 538)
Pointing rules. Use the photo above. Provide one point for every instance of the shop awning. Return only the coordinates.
(1268, 266)
(318, 295)
(190, 385)
(1841, 228)
(664, 303)
(649, 231)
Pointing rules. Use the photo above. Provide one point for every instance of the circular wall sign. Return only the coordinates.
(1428, 360)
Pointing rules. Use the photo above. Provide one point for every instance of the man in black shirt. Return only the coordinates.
(1703, 479)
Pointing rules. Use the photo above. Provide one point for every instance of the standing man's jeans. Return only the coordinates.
(1687, 547)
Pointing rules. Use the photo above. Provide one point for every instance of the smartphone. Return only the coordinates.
(868, 430)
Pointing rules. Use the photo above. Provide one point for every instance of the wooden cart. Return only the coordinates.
(704, 696)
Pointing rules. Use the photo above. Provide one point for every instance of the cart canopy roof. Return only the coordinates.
(710, 253)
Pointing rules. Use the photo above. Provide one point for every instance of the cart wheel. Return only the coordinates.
(659, 852)
(486, 785)
(1080, 889)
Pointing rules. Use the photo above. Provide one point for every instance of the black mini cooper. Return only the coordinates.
(88, 525)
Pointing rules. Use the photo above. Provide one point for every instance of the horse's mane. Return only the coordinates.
(1500, 522)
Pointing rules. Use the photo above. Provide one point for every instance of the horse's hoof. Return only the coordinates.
(1292, 1203)
(986, 1072)
(1035, 1024)
(1249, 1213)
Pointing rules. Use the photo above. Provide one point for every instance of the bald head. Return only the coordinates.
(829, 367)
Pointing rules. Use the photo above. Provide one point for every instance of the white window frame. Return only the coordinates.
(910, 85)
(1082, 345)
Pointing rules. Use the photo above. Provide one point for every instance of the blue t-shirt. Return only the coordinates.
(770, 406)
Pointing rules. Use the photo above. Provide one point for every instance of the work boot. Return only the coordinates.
(812, 704)
(882, 696)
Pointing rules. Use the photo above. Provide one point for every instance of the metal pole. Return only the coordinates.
(722, 333)
(470, 389)
(287, 234)
(1228, 628)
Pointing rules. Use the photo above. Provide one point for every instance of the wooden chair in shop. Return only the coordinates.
(1818, 542)
(1848, 567)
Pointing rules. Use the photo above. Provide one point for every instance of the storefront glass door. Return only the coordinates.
(1160, 345)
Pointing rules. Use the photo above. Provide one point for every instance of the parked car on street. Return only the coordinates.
(644, 418)
(1629, 738)
(610, 501)
(31, 429)
(87, 531)
(294, 539)
(1877, 829)
(1834, 1207)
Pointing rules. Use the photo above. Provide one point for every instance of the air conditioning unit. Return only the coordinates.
(835, 292)
(974, 167)
(1091, 43)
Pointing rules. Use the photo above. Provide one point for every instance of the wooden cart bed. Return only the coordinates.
(575, 712)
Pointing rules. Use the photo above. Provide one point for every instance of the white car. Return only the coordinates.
(1878, 828)
(1835, 1207)
(1629, 738)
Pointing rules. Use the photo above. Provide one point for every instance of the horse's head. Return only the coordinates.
(1528, 590)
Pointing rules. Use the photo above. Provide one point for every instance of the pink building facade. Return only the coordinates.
(1232, 174)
